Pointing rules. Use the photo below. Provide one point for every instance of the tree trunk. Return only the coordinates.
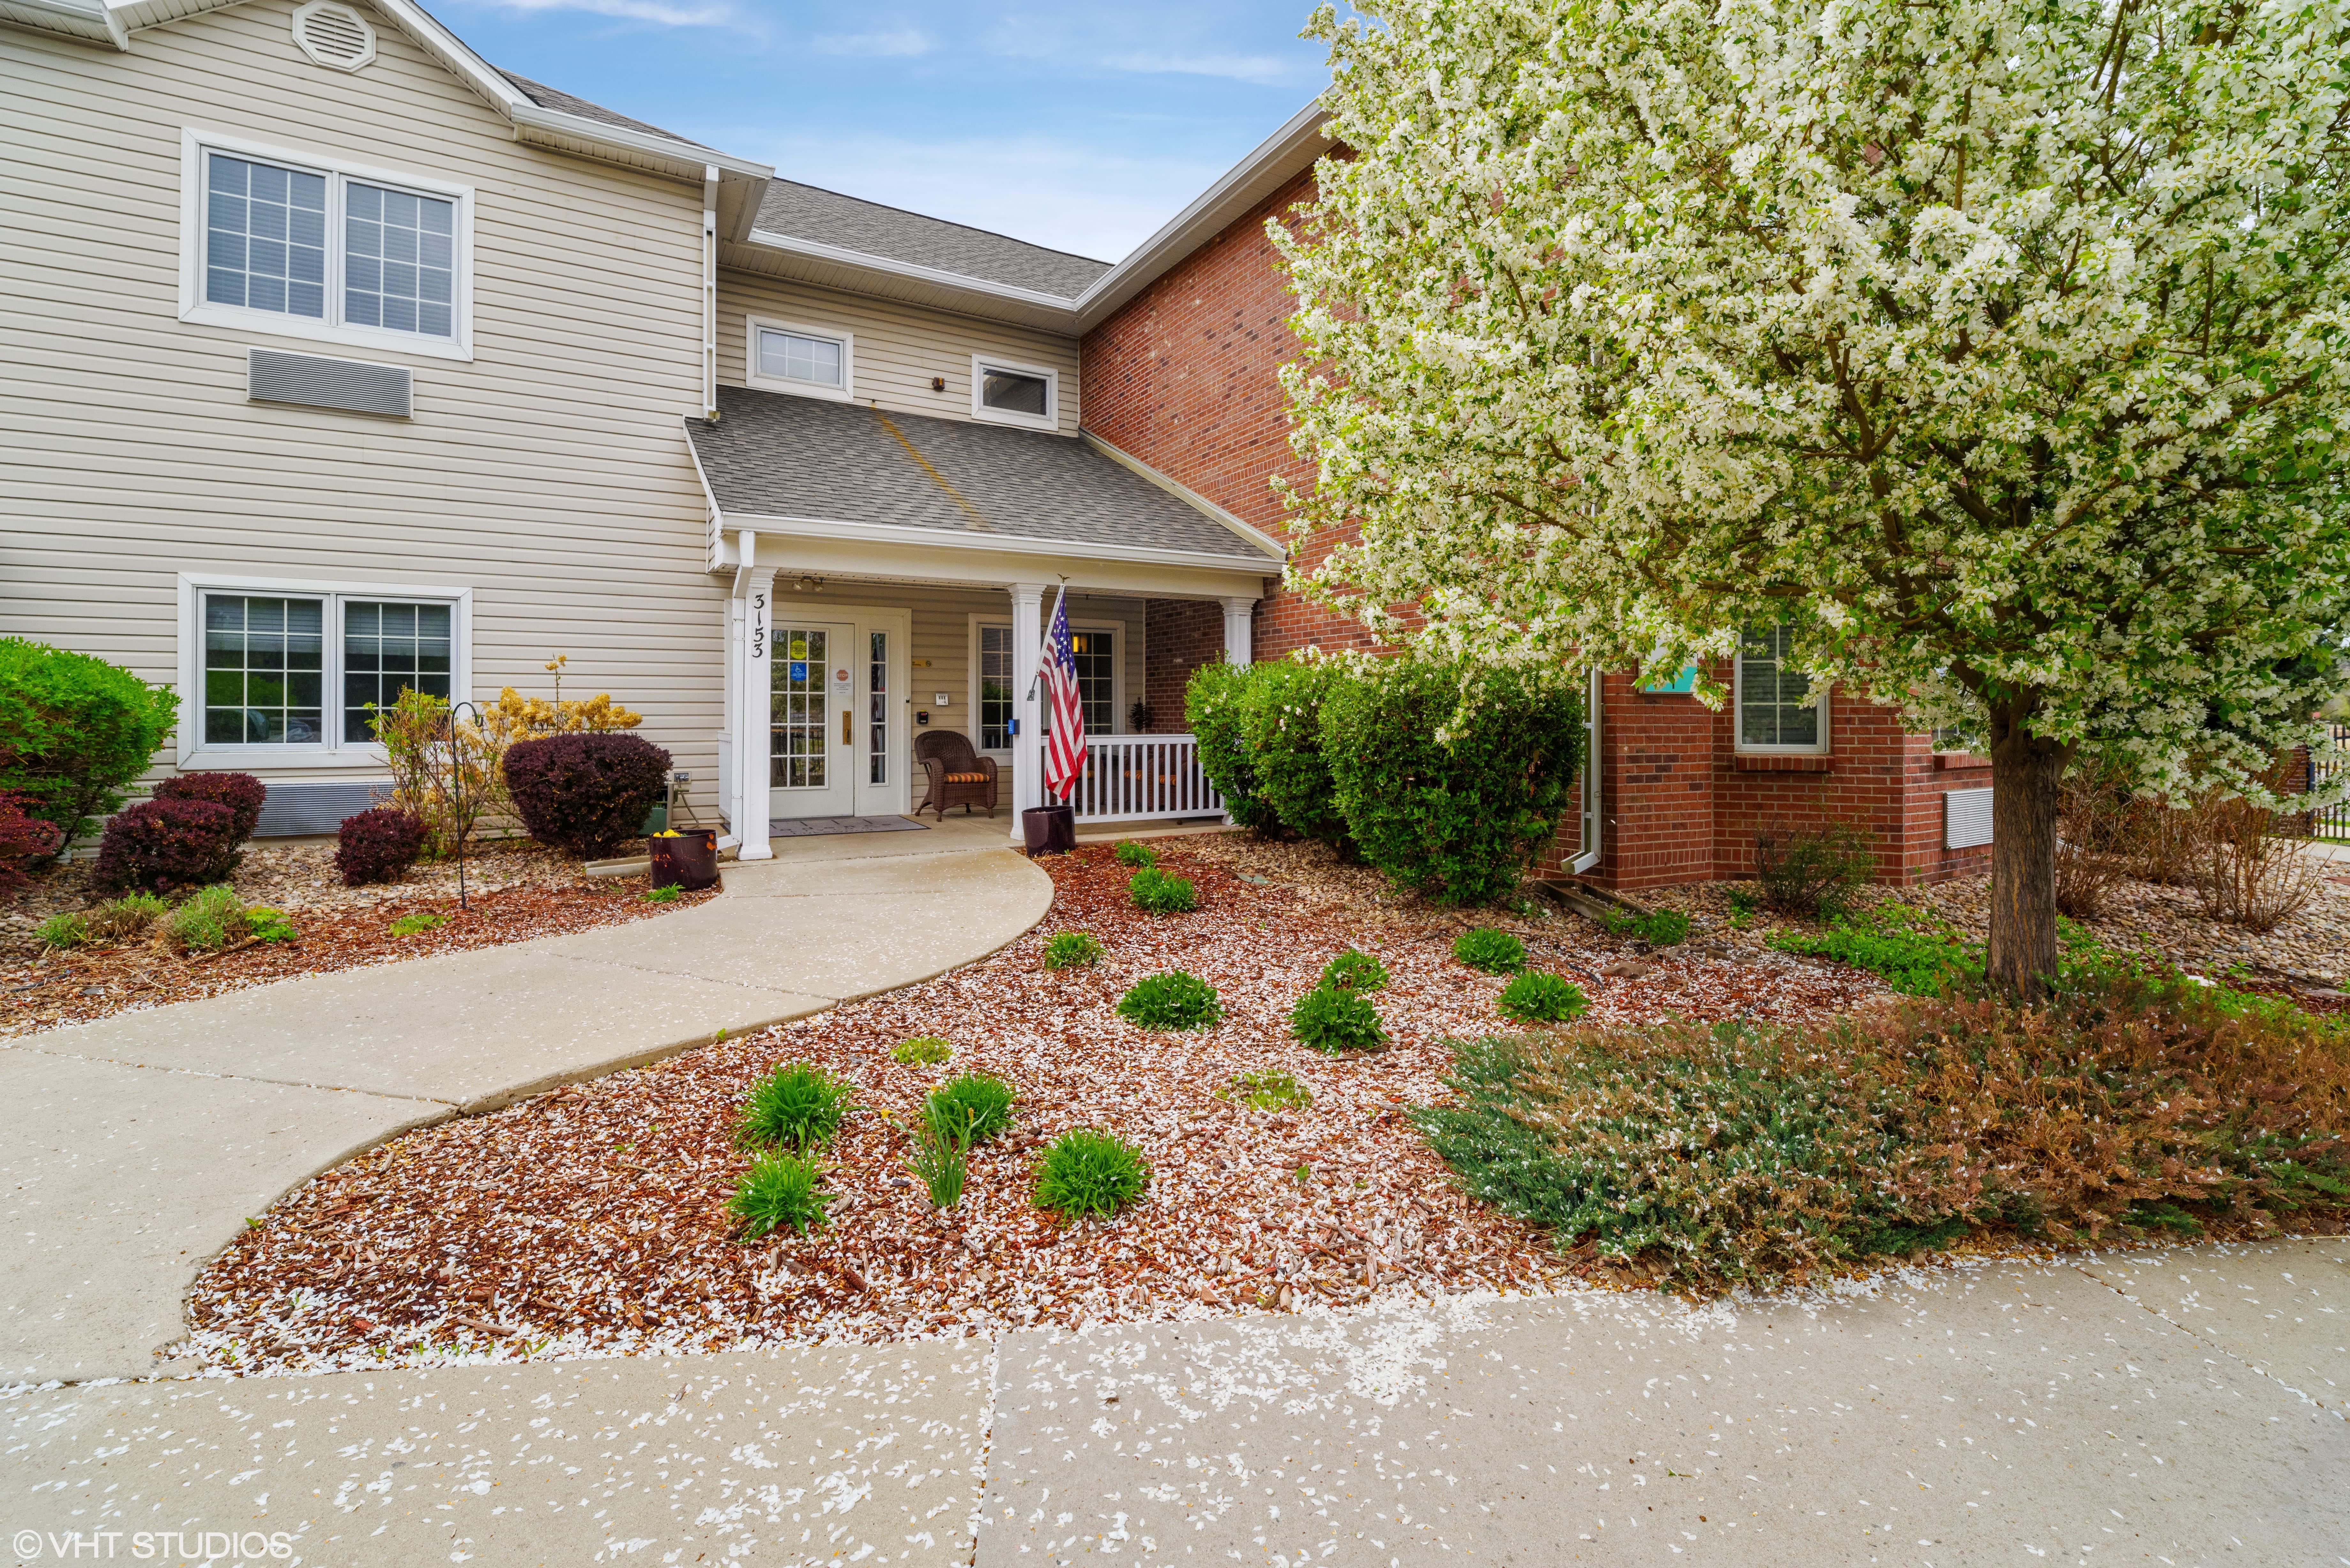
(2026, 770)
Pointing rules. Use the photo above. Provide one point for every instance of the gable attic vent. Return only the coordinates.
(334, 36)
(273, 376)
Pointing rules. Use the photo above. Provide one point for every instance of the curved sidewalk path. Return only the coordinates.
(139, 1144)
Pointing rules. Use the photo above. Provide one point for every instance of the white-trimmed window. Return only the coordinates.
(293, 671)
(1006, 393)
(291, 244)
(786, 357)
(1771, 693)
(1101, 682)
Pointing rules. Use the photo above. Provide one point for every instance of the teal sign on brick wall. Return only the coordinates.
(1684, 683)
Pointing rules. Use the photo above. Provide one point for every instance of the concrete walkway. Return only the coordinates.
(2182, 1406)
(139, 1144)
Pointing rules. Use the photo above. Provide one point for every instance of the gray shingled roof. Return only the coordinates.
(827, 217)
(563, 102)
(774, 454)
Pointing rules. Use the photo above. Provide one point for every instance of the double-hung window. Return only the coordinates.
(1773, 715)
(302, 671)
(810, 360)
(308, 248)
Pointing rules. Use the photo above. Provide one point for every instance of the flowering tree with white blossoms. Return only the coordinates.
(1998, 348)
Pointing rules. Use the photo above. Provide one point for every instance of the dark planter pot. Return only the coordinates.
(689, 861)
(1049, 829)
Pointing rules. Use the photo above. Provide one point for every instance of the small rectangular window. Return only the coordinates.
(996, 689)
(388, 649)
(1096, 678)
(877, 725)
(794, 356)
(1772, 715)
(1013, 392)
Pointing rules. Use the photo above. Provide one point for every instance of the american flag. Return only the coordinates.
(1065, 743)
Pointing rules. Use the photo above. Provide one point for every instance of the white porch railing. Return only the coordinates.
(1134, 778)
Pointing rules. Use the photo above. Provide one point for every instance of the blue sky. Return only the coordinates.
(1080, 126)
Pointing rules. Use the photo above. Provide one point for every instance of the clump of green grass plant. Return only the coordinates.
(941, 1160)
(1489, 950)
(1539, 996)
(922, 1051)
(1267, 1091)
(1170, 1001)
(1353, 969)
(668, 895)
(780, 1190)
(980, 1104)
(417, 924)
(1071, 949)
(797, 1106)
(1139, 855)
(1088, 1172)
(1160, 892)
(128, 916)
(64, 930)
(1329, 1020)
(210, 919)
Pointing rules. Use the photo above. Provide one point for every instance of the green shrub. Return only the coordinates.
(74, 730)
(1161, 893)
(923, 1050)
(1171, 1001)
(1071, 949)
(668, 895)
(1267, 1091)
(1741, 902)
(1355, 969)
(780, 1190)
(1452, 777)
(1330, 1020)
(1281, 723)
(798, 1105)
(128, 916)
(1086, 1172)
(1915, 953)
(1539, 996)
(268, 925)
(1495, 951)
(417, 924)
(1758, 1155)
(1213, 712)
(979, 1105)
(64, 930)
(1805, 872)
(1137, 855)
(210, 920)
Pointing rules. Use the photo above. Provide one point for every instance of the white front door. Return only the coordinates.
(813, 725)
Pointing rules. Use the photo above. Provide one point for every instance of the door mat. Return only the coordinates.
(817, 827)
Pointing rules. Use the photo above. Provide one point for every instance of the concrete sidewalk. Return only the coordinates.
(2182, 1406)
(140, 1143)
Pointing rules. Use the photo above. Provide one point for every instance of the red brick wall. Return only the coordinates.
(1180, 635)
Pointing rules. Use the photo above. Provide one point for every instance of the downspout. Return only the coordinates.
(710, 292)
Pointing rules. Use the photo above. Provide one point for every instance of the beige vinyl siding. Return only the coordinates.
(899, 346)
(549, 474)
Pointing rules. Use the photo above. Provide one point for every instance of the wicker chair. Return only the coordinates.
(958, 775)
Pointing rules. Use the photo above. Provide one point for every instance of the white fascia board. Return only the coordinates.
(717, 519)
(767, 524)
(620, 137)
(815, 250)
(1188, 497)
(87, 21)
(1278, 158)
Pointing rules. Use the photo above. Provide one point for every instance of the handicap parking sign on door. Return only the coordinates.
(800, 670)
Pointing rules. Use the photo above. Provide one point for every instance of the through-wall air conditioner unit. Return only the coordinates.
(314, 381)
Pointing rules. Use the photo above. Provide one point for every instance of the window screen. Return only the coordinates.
(386, 647)
(1771, 693)
(1013, 392)
(264, 674)
(996, 689)
(264, 237)
(1096, 678)
(795, 357)
(399, 260)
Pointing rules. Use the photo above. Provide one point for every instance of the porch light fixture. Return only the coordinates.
(937, 383)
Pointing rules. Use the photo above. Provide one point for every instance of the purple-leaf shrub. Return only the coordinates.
(585, 794)
(241, 793)
(159, 846)
(379, 845)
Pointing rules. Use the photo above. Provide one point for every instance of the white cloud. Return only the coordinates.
(1069, 197)
(1263, 70)
(889, 43)
(716, 15)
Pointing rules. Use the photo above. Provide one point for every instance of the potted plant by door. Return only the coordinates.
(687, 859)
(1049, 829)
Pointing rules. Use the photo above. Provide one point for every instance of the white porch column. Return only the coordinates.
(753, 655)
(1240, 621)
(1027, 746)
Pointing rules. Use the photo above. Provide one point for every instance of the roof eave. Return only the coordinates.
(84, 21)
(975, 295)
(988, 540)
(1278, 159)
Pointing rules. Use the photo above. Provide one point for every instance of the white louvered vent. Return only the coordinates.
(334, 36)
(1966, 819)
(273, 376)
